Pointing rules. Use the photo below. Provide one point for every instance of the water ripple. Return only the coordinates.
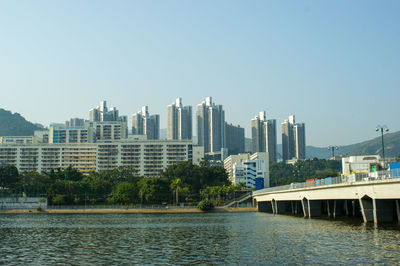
(176, 239)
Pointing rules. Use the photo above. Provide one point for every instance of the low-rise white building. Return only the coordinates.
(358, 164)
(253, 169)
(229, 162)
(16, 139)
(250, 172)
(148, 157)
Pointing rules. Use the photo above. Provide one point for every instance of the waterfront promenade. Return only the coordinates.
(125, 210)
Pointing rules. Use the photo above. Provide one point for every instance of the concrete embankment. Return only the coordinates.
(133, 210)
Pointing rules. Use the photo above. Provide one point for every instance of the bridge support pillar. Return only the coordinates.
(383, 210)
(304, 204)
(314, 208)
(330, 208)
(367, 209)
(273, 205)
(334, 209)
(398, 210)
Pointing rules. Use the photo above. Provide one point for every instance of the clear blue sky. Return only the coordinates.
(334, 64)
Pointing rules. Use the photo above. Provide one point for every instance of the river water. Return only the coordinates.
(199, 238)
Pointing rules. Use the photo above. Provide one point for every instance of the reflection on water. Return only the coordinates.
(205, 238)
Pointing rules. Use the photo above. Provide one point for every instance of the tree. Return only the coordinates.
(282, 174)
(71, 174)
(59, 199)
(240, 186)
(34, 182)
(205, 205)
(125, 193)
(9, 177)
(120, 174)
(196, 178)
(154, 190)
(95, 186)
(177, 186)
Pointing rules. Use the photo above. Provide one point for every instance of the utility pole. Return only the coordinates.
(333, 148)
(382, 128)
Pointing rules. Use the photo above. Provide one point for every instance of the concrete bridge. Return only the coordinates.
(374, 197)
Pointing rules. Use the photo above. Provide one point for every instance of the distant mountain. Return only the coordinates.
(369, 147)
(15, 125)
(324, 153)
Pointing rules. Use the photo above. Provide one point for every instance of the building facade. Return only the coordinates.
(71, 135)
(234, 139)
(148, 157)
(252, 169)
(102, 113)
(179, 124)
(250, 172)
(210, 126)
(75, 122)
(16, 139)
(299, 133)
(231, 160)
(293, 140)
(263, 134)
(145, 124)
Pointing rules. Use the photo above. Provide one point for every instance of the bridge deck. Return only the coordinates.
(373, 200)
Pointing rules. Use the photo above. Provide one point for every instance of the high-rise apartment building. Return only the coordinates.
(234, 139)
(179, 121)
(211, 126)
(102, 114)
(300, 140)
(293, 139)
(75, 123)
(71, 135)
(145, 124)
(263, 133)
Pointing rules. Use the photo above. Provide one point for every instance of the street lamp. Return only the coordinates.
(382, 128)
(333, 148)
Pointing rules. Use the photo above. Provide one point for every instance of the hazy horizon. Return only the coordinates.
(334, 65)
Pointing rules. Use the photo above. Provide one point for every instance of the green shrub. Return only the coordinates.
(39, 209)
(59, 199)
(205, 205)
(110, 200)
(42, 200)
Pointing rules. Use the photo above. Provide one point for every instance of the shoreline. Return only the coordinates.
(121, 211)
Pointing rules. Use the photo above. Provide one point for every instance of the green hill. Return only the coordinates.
(15, 125)
(369, 147)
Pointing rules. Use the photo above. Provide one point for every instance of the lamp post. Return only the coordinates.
(381, 129)
(333, 148)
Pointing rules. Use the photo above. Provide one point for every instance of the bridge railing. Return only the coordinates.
(355, 177)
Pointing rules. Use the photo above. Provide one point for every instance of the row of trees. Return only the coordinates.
(182, 182)
(177, 183)
(283, 174)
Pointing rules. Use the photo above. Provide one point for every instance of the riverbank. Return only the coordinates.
(133, 210)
